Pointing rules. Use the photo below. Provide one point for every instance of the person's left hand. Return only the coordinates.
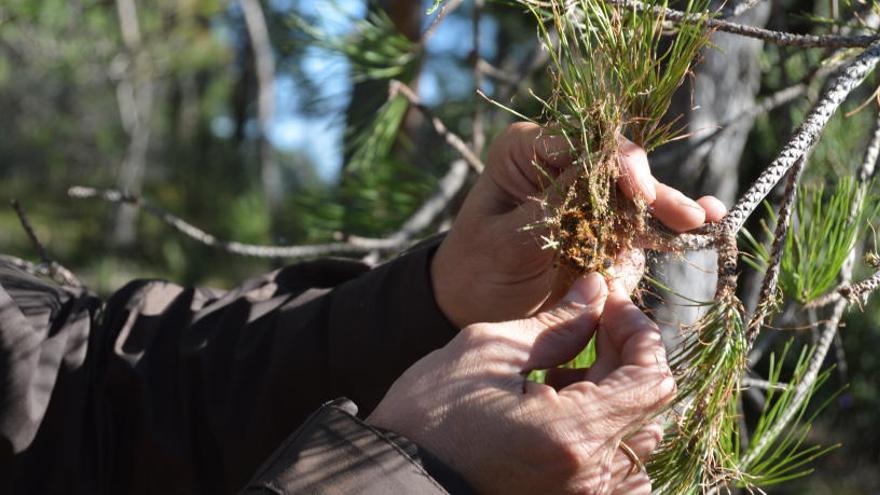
(489, 268)
(469, 402)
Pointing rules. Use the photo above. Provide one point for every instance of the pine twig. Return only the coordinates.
(399, 88)
(855, 293)
(449, 186)
(446, 9)
(767, 299)
(770, 36)
(806, 135)
(29, 230)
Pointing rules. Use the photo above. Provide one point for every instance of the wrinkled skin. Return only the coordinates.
(469, 403)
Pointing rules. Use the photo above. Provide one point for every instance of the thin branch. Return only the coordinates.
(739, 8)
(397, 87)
(854, 293)
(748, 381)
(29, 230)
(446, 9)
(48, 267)
(767, 299)
(806, 135)
(770, 36)
(449, 186)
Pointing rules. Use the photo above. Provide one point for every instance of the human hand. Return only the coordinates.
(469, 403)
(489, 269)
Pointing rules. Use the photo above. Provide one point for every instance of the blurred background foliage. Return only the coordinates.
(85, 94)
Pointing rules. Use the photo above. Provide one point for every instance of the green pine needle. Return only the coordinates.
(702, 448)
(784, 457)
(822, 237)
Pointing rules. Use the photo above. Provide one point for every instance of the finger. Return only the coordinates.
(715, 209)
(623, 321)
(633, 452)
(644, 441)
(636, 484)
(557, 335)
(522, 157)
(628, 269)
(631, 395)
(677, 211)
(635, 178)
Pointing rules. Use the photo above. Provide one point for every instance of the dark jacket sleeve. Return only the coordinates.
(180, 390)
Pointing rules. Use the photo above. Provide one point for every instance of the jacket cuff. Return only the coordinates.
(335, 452)
(383, 322)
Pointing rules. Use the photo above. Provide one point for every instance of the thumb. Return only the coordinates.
(559, 333)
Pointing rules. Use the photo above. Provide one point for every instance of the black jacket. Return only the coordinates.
(166, 389)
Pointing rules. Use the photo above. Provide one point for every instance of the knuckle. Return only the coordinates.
(561, 314)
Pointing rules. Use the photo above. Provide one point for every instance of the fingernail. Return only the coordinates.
(689, 203)
(586, 290)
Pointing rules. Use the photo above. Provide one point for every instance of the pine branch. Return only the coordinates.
(399, 88)
(805, 386)
(447, 8)
(449, 186)
(855, 293)
(770, 36)
(762, 384)
(767, 301)
(806, 135)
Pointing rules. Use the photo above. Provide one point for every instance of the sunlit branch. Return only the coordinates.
(768, 298)
(770, 36)
(806, 135)
(449, 186)
(829, 331)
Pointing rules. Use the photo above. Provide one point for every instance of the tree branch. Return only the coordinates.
(808, 133)
(828, 333)
(48, 268)
(449, 186)
(770, 36)
(767, 299)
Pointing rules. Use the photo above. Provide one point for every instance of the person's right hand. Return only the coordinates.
(489, 268)
(469, 403)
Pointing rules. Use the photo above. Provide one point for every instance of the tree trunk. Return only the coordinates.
(726, 83)
(264, 59)
(134, 92)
